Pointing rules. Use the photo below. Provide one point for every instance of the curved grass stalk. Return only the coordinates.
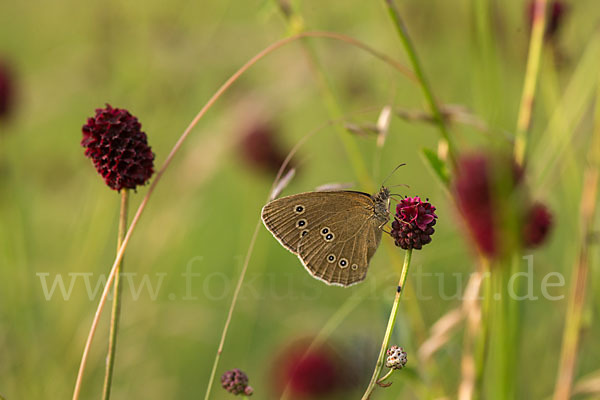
(176, 148)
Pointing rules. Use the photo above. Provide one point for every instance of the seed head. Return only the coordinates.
(397, 358)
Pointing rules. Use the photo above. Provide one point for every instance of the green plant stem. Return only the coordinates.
(538, 25)
(424, 83)
(390, 326)
(383, 378)
(501, 326)
(116, 309)
(573, 318)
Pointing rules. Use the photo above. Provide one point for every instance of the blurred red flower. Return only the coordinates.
(485, 187)
(259, 148)
(307, 373)
(473, 193)
(6, 91)
(537, 225)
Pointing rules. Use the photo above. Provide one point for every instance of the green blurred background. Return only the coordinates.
(162, 62)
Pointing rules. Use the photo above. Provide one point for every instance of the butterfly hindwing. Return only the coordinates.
(339, 251)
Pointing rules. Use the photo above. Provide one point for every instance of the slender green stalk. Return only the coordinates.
(116, 309)
(383, 378)
(538, 25)
(573, 319)
(390, 326)
(424, 83)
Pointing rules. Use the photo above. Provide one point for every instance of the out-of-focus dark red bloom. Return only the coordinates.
(259, 148)
(413, 223)
(538, 223)
(556, 11)
(118, 148)
(236, 382)
(489, 189)
(307, 373)
(473, 190)
(6, 91)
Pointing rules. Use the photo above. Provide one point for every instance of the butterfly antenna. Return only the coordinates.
(392, 173)
(401, 184)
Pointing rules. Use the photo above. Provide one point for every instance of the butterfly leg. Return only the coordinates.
(382, 225)
(389, 233)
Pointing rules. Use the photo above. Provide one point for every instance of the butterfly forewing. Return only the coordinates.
(288, 218)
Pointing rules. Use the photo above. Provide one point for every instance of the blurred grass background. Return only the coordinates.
(162, 62)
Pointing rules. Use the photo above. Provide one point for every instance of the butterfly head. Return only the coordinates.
(381, 201)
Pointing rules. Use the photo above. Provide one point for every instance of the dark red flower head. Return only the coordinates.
(6, 91)
(538, 223)
(413, 223)
(118, 148)
(236, 382)
(259, 148)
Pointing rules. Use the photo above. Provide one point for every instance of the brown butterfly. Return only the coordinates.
(334, 234)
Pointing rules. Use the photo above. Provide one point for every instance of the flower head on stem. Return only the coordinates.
(113, 139)
(236, 382)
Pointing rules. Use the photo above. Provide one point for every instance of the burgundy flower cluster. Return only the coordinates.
(486, 188)
(413, 223)
(118, 148)
(236, 382)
